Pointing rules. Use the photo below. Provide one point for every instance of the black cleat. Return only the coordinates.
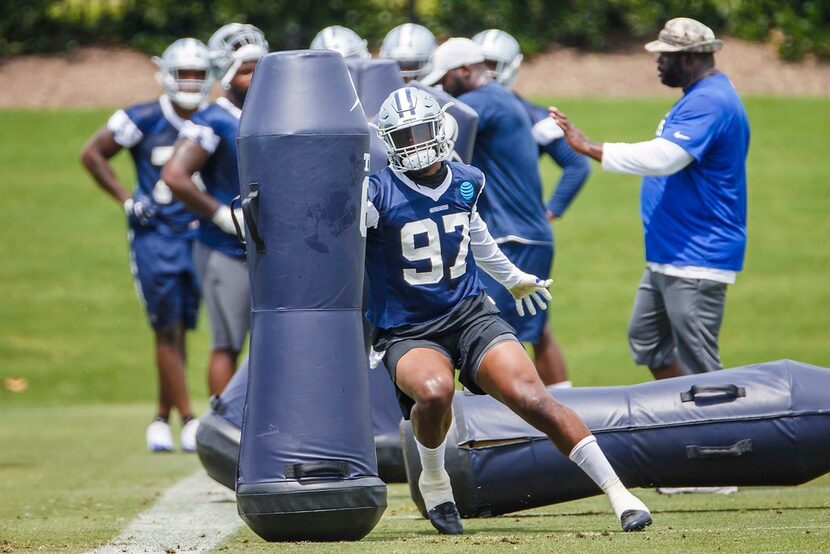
(446, 519)
(635, 520)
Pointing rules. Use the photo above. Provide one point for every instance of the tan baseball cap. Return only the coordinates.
(455, 52)
(683, 34)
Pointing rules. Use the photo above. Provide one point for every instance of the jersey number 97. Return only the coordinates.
(452, 223)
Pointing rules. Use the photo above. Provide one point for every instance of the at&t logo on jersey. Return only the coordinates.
(467, 190)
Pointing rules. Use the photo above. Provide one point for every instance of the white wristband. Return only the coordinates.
(222, 218)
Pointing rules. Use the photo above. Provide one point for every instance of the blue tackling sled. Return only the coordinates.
(764, 424)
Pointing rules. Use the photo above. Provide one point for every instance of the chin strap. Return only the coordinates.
(246, 53)
(483, 79)
(225, 83)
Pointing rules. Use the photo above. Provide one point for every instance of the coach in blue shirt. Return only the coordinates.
(511, 203)
(693, 204)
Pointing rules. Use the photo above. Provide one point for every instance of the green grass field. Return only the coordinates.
(73, 471)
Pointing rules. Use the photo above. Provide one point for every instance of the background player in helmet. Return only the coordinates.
(161, 229)
(425, 240)
(512, 206)
(503, 57)
(342, 40)
(208, 144)
(411, 45)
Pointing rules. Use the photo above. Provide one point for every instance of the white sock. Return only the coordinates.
(590, 459)
(562, 385)
(434, 482)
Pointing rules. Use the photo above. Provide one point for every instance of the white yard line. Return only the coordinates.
(194, 515)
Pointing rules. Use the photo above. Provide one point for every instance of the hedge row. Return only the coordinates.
(797, 27)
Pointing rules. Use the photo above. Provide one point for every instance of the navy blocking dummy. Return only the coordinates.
(374, 79)
(217, 440)
(765, 424)
(307, 467)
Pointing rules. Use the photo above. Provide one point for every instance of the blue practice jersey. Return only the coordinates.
(149, 130)
(697, 216)
(508, 155)
(215, 129)
(418, 259)
(575, 167)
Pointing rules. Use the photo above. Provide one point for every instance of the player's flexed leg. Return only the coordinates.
(432, 316)
(507, 374)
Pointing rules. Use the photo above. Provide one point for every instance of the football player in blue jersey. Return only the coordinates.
(411, 45)
(207, 144)
(161, 230)
(342, 40)
(507, 153)
(503, 57)
(425, 243)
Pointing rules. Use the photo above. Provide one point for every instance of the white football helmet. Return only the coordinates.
(411, 124)
(231, 46)
(411, 45)
(342, 40)
(184, 54)
(500, 47)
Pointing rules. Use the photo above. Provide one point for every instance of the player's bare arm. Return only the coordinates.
(187, 158)
(96, 155)
(575, 137)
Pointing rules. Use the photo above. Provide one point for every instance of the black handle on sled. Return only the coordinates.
(731, 451)
(730, 392)
(323, 468)
(236, 225)
(250, 208)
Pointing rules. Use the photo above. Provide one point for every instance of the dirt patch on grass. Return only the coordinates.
(86, 77)
(113, 76)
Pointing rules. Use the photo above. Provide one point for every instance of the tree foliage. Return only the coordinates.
(797, 27)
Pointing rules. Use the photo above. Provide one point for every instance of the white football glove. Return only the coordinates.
(140, 211)
(530, 289)
(224, 220)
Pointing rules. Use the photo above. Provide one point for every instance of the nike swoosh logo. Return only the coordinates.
(681, 136)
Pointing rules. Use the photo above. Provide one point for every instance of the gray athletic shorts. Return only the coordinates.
(464, 336)
(677, 317)
(227, 294)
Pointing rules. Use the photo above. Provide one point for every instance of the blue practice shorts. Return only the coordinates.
(535, 259)
(165, 278)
